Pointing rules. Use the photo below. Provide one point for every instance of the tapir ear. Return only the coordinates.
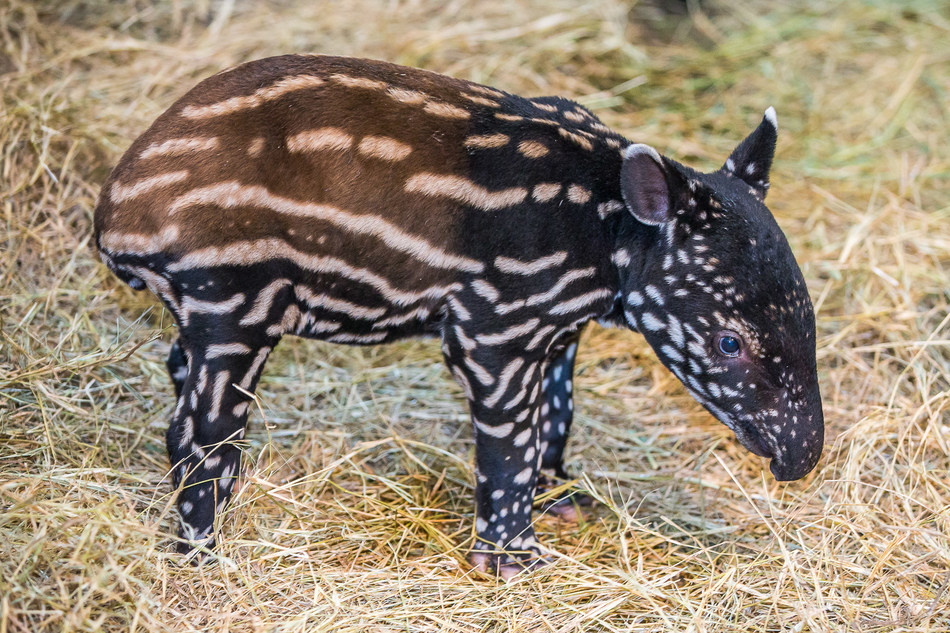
(752, 159)
(646, 182)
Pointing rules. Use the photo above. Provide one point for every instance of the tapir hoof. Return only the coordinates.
(507, 566)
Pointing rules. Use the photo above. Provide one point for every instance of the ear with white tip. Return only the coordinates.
(644, 184)
(752, 159)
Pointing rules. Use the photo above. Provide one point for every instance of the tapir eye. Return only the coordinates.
(729, 345)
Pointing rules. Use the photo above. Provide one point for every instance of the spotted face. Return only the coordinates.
(721, 299)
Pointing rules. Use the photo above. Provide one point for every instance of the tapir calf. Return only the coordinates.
(360, 202)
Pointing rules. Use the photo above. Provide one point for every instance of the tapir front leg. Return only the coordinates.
(503, 390)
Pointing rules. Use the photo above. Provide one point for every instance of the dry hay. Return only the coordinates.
(356, 513)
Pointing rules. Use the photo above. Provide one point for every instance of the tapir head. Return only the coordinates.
(722, 300)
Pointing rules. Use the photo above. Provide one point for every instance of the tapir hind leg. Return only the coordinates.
(218, 364)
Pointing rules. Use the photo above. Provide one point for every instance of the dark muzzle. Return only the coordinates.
(799, 444)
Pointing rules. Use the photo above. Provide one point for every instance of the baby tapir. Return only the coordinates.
(361, 202)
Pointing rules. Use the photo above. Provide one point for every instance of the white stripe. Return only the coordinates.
(217, 393)
(317, 327)
(672, 354)
(447, 110)
(676, 331)
(138, 243)
(514, 266)
(232, 194)
(505, 308)
(275, 90)
(289, 321)
(460, 311)
(466, 343)
(566, 279)
(508, 335)
(321, 138)
(190, 305)
(257, 251)
(121, 193)
(536, 340)
(486, 140)
(176, 146)
(485, 290)
(348, 308)
(384, 148)
(359, 82)
(502, 430)
(254, 368)
(159, 287)
(263, 302)
(524, 476)
(358, 338)
(419, 314)
(480, 372)
(226, 349)
(606, 208)
(465, 191)
(545, 192)
(522, 438)
(517, 399)
(503, 381)
(583, 301)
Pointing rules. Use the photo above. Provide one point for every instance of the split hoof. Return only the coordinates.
(566, 507)
(507, 566)
(196, 548)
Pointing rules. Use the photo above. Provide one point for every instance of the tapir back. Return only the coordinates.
(306, 156)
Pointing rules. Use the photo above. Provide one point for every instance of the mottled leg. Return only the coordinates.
(207, 427)
(507, 468)
(557, 413)
(503, 392)
(557, 407)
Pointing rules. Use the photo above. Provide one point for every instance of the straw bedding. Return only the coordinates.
(355, 509)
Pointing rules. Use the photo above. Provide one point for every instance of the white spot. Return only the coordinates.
(676, 331)
(672, 354)
(651, 323)
(655, 294)
(523, 477)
